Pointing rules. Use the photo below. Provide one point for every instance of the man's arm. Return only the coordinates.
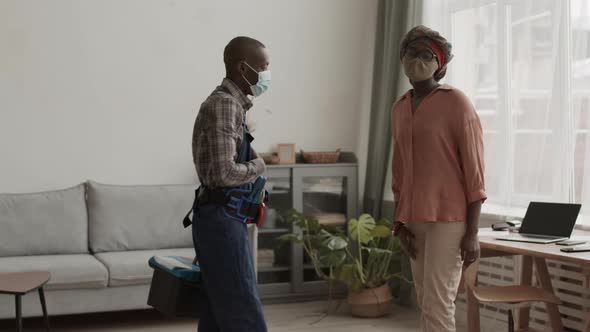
(226, 128)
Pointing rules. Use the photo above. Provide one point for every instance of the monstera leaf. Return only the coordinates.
(332, 242)
(291, 237)
(332, 258)
(302, 221)
(361, 229)
(381, 231)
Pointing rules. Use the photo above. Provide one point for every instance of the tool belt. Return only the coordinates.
(243, 203)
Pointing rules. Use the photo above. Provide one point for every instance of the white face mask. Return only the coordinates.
(419, 70)
(263, 81)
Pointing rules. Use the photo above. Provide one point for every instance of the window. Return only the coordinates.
(525, 64)
(580, 78)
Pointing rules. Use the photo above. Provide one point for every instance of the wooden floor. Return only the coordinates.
(292, 317)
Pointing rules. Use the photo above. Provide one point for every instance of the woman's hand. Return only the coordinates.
(469, 249)
(470, 242)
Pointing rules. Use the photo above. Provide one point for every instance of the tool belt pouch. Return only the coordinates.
(240, 205)
(246, 203)
(175, 289)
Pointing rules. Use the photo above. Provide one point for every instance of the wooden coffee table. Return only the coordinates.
(21, 283)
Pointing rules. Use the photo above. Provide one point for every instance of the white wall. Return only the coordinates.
(108, 90)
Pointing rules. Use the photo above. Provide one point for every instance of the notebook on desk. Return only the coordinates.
(546, 223)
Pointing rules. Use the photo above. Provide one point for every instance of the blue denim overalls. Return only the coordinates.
(230, 301)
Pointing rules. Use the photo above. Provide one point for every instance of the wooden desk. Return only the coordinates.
(532, 253)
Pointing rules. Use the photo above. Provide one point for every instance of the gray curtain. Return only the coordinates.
(394, 19)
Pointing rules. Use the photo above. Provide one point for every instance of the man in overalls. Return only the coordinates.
(224, 159)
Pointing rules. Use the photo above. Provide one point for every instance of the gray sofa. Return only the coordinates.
(95, 240)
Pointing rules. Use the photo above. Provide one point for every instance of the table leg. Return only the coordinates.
(545, 281)
(526, 278)
(19, 318)
(587, 328)
(44, 307)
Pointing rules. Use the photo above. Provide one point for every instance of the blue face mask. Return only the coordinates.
(263, 81)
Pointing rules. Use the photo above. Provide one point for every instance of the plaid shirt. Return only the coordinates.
(217, 136)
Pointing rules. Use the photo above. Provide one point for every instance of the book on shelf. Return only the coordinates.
(266, 258)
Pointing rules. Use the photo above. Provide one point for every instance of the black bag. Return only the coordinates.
(171, 292)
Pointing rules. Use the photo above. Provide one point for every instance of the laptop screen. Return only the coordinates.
(552, 219)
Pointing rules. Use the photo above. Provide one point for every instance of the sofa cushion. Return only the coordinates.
(46, 223)
(67, 271)
(138, 217)
(131, 267)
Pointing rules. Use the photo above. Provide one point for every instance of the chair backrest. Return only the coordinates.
(470, 274)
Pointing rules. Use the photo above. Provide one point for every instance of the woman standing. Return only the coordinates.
(438, 176)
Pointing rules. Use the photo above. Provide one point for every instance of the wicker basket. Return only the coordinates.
(320, 157)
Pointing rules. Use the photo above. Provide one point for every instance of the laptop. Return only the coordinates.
(546, 223)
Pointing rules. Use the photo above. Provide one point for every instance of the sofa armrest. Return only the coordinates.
(253, 240)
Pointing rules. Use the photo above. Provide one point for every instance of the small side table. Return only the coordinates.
(21, 283)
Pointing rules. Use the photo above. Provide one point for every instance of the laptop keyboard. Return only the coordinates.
(534, 236)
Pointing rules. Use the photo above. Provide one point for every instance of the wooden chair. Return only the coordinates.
(510, 297)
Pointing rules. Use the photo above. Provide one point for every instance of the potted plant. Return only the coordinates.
(363, 258)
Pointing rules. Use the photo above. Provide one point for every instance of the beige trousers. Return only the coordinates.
(437, 272)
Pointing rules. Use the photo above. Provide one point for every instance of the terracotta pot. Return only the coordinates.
(371, 303)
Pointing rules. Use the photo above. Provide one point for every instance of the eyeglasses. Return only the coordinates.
(423, 55)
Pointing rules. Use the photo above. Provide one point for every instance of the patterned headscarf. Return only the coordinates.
(423, 32)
